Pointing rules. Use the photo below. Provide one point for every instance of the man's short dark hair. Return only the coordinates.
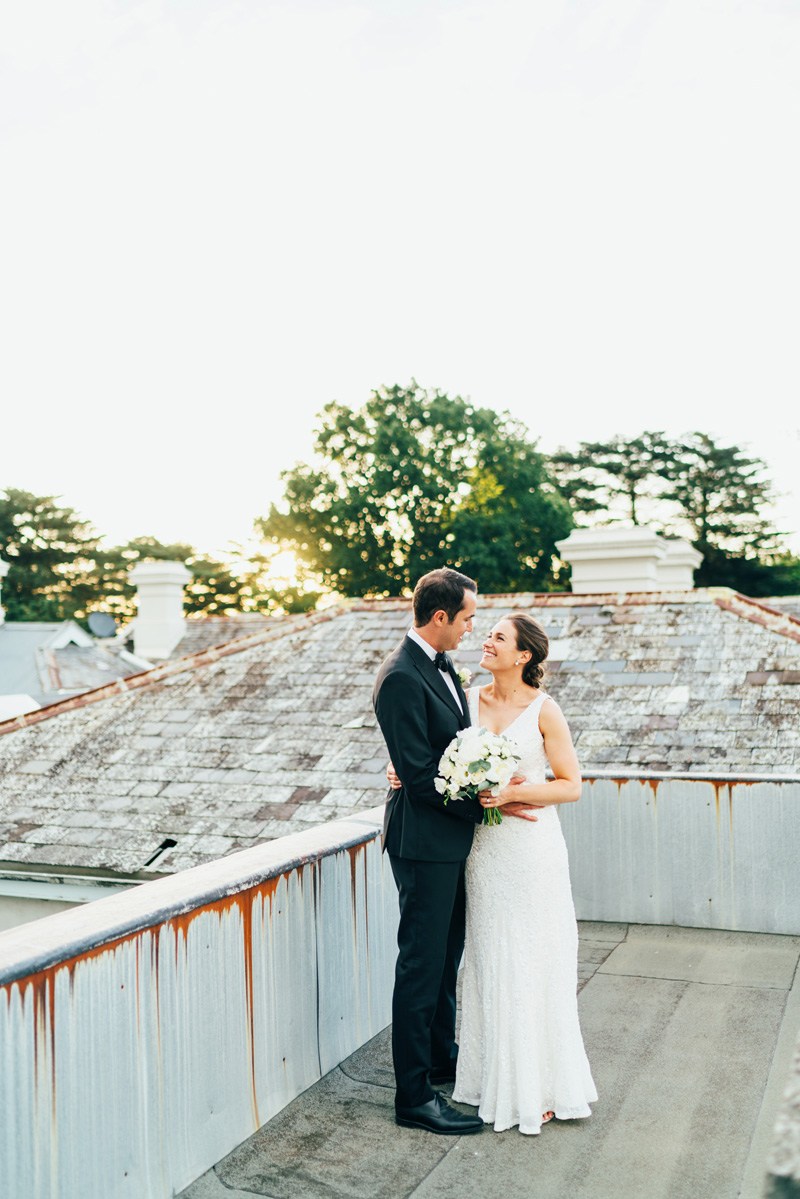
(440, 591)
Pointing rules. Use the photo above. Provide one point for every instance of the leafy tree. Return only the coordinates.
(504, 532)
(50, 551)
(266, 587)
(59, 569)
(777, 575)
(412, 480)
(214, 589)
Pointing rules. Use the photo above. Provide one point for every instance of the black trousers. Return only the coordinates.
(430, 942)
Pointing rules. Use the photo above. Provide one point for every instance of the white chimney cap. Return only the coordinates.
(158, 571)
(620, 558)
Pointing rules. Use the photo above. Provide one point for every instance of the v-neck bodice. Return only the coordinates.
(524, 732)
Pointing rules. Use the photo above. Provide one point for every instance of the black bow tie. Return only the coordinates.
(443, 662)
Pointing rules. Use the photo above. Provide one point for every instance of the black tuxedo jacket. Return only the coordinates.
(419, 718)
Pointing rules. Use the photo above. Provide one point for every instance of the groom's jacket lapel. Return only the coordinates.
(467, 719)
(434, 678)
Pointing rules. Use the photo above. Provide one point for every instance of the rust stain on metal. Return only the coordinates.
(43, 988)
(720, 787)
(353, 851)
(42, 984)
(245, 906)
(155, 946)
(366, 892)
(242, 902)
(138, 950)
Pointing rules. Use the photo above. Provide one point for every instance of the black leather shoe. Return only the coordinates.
(440, 1075)
(438, 1116)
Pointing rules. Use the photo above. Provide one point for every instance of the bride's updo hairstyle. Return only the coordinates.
(532, 637)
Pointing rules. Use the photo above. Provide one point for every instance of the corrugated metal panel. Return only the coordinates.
(130, 1069)
(697, 852)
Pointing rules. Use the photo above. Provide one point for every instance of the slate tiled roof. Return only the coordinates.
(201, 632)
(250, 740)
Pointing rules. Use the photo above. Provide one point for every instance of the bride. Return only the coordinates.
(521, 1058)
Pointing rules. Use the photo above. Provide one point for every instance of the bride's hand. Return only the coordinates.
(510, 805)
(504, 797)
(392, 778)
(501, 800)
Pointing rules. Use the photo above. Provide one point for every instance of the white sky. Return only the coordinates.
(216, 216)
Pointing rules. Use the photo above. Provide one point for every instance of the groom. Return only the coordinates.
(420, 707)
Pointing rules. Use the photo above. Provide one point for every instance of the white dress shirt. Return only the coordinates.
(431, 652)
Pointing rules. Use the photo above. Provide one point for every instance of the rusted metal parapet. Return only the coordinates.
(145, 1035)
(687, 849)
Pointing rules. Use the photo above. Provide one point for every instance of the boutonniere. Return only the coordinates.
(464, 676)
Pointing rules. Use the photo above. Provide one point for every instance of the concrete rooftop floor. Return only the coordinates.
(690, 1034)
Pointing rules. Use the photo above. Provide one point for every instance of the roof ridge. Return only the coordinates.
(155, 674)
(567, 599)
(762, 614)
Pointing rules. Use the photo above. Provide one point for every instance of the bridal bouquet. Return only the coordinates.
(474, 761)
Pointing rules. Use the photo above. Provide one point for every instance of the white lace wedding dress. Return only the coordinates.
(520, 1047)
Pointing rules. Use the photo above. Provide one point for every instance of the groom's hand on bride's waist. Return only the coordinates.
(525, 811)
(392, 778)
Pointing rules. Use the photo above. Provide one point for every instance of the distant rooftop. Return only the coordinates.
(47, 660)
(265, 734)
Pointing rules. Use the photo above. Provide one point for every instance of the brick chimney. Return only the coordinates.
(158, 626)
(615, 558)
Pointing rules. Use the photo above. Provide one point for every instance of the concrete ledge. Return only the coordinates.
(66, 935)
